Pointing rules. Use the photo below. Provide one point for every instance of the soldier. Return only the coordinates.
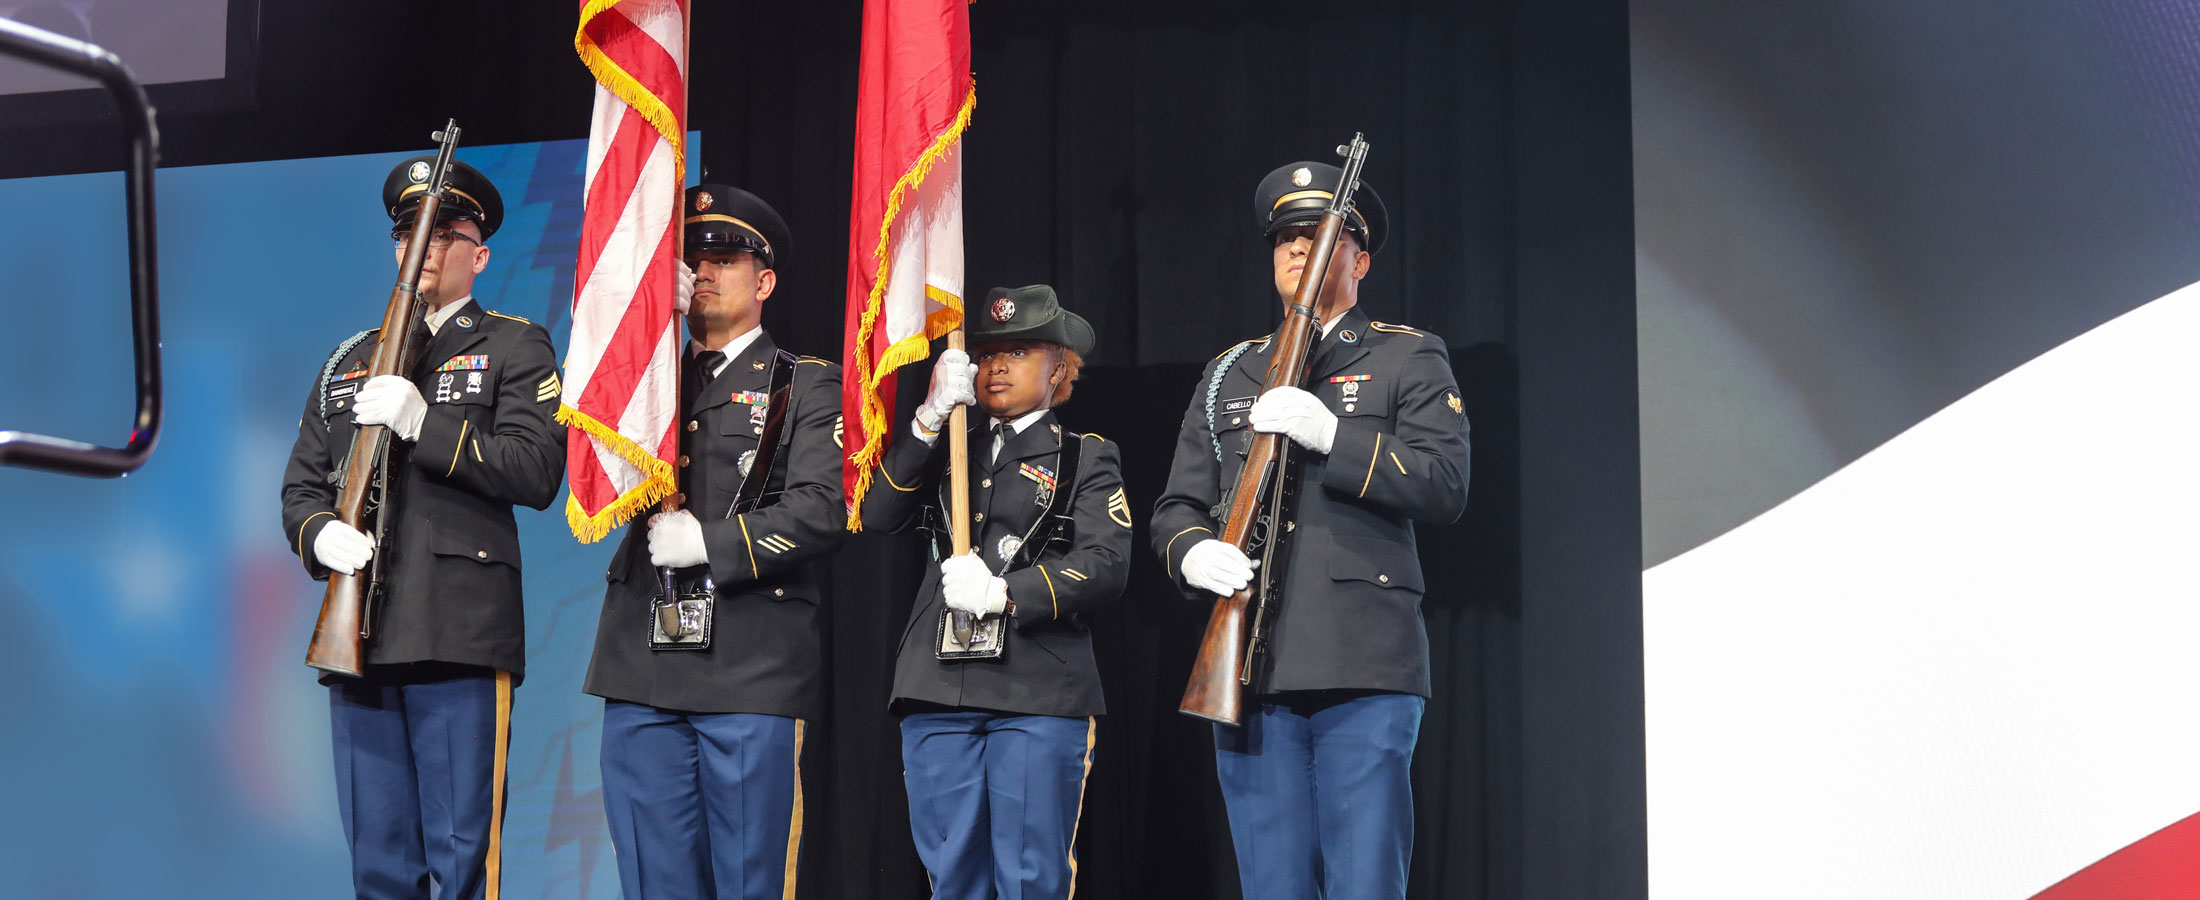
(420, 738)
(995, 749)
(1316, 776)
(702, 731)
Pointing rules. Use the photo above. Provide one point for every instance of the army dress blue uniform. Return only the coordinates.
(1316, 777)
(420, 740)
(702, 748)
(996, 752)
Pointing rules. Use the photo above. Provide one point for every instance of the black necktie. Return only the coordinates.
(706, 363)
(1006, 433)
(702, 367)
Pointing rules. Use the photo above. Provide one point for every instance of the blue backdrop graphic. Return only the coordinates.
(163, 737)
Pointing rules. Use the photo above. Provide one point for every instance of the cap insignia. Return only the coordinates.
(703, 200)
(1302, 176)
(1004, 309)
(418, 172)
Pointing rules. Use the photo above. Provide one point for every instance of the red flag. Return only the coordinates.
(621, 389)
(905, 248)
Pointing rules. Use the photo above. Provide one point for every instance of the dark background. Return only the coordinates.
(1113, 155)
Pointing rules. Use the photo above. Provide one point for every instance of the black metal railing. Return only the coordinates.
(39, 451)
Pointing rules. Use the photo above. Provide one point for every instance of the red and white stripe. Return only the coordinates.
(621, 384)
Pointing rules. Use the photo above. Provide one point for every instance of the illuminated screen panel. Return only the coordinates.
(162, 41)
(154, 627)
(1914, 330)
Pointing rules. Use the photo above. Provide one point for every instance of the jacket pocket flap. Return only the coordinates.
(1380, 563)
(484, 546)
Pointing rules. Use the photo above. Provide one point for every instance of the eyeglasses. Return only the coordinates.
(437, 239)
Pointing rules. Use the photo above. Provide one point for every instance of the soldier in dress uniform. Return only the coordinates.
(1316, 776)
(702, 739)
(995, 749)
(420, 738)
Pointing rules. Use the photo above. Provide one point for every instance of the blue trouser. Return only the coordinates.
(420, 779)
(702, 805)
(1320, 795)
(994, 799)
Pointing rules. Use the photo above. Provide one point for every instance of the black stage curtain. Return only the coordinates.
(1113, 155)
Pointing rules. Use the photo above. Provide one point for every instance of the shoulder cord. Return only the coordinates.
(328, 370)
(1214, 386)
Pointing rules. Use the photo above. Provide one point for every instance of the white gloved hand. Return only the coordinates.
(967, 585)
(1296, 414)
(954, 382)
(683, 287)
(342, 548)
(676, 540)
(1217, 568)
(393, 401)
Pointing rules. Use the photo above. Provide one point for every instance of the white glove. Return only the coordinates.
(676, 540)
(342, 548)
(1217, 568)
(967, 585)
(954, 383)
(393, 401)
(683, 287)
(1296, 414)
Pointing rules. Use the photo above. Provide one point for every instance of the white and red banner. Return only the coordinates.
(1962, 667)
(905, 243)
(622, 368)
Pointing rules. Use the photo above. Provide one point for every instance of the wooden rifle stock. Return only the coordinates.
(339, 642)
(1216, 690)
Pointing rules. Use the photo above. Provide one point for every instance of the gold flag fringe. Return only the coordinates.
(915, 346)
(657, 483)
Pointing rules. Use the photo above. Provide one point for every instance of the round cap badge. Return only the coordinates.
(418, 172)
(703, 200)
(1302, 176)
(1004, 309)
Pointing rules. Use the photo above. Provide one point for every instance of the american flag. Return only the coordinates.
(621, 396)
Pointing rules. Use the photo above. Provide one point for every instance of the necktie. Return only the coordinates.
(705, 364)
(1002, 434)
(702, 367)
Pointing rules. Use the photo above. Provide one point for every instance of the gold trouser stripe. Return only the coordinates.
(1371, 464)
(794, 827)
(463, 424)
(1092, 733)
(1051, 598)
(302, 535)
(1394, 461)
(890, 479)
(1170, 548)
(495, 860)
(749, 546)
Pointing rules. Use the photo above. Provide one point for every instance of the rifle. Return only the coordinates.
(1259, 510)
(340, 634)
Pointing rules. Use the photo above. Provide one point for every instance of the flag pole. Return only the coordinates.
(667, 610)
(958, 479)
(674, 498)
